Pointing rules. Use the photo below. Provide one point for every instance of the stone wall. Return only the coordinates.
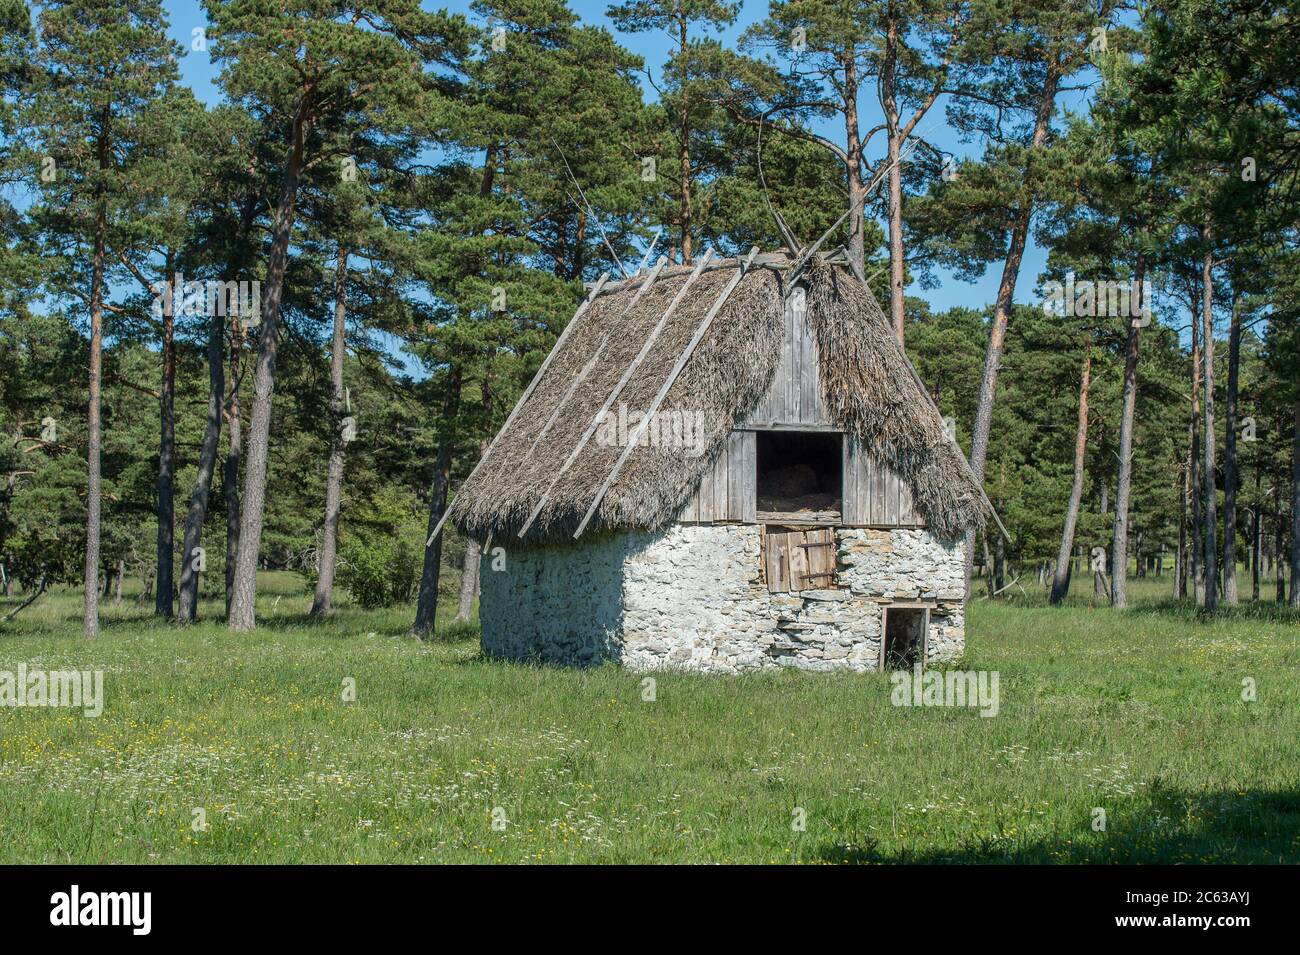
(692, 597)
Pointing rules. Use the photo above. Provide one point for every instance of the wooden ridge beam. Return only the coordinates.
(777, 261)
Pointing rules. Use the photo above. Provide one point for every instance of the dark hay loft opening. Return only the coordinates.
(904, 637)
(800, 472)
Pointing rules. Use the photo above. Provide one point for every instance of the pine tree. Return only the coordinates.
(312, 66)
(100, 68)
(693, 116)
(154, 248)
(985, 212)
(223, 219)
(551, 107)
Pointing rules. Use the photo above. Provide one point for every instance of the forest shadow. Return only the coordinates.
(64, 619)
(349, 623)
(1265, 610)
(1176, 827)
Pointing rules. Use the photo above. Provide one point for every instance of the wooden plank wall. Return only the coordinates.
(873, 493)
(727, 491)
(795, 395)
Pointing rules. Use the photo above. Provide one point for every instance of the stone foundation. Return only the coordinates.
(692, 597)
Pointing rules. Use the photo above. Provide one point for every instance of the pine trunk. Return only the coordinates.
(856, 245)
(1194, 544)
(1256, 538)
(1002, 309)
(897, 271)
(94, 440)
(242, 608)
(187, 605)
(988, 569)
(999, 565)
(468, 581)
(146, 588)
(1061, 579)
(1211, 555)
(1230, 463)
(894, 145)
(1279, 540)
(473, 551)
(1119, 545)
(684, 145)
(166, 503)
(334, 472)
(234, 450)
(426, 608)
(1180, 556)
(1295, 507)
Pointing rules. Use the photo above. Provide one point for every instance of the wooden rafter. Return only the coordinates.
(595, 358)
(591, 297)
(663, 390)
(622, 383)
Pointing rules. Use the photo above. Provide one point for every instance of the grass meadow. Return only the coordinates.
(447, 757)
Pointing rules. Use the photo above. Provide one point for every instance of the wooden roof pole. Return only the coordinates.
(618, 388)
(591, 297)
(797, 269)
(776, 261)
(663, 391)
(578, 380)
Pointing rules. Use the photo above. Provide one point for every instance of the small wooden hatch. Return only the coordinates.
(796, 559)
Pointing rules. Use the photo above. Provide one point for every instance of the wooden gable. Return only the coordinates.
(872, 494)
(794, 398)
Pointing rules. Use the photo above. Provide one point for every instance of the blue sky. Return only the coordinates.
(198, 72)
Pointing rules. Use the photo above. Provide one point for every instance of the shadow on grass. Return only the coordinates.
(1165, 826)
(353, 623)
(63, 619)
(1265, 610)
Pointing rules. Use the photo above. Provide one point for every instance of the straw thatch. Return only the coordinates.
(867, 385)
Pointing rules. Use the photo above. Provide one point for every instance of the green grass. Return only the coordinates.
(1139, 714)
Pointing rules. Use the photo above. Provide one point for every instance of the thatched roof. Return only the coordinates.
(867, 385)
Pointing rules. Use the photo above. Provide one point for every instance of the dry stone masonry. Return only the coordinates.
(692, 598)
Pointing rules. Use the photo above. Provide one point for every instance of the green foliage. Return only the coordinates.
(378, 572)
(381, 548)
(441, 154)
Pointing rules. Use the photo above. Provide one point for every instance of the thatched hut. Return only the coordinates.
(724, 467)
